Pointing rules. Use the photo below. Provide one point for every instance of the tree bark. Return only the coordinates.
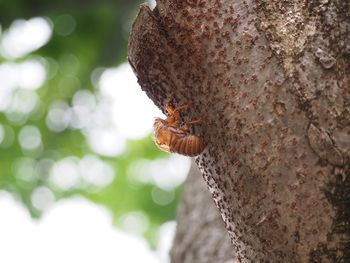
(272, 77)
(200, 236)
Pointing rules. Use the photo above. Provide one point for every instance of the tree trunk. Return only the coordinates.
(272, 78)
(201, 236)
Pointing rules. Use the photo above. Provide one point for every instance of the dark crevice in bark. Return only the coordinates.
(338, 194)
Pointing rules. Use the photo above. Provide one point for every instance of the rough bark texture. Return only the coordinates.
(273, 79)
(200, 236)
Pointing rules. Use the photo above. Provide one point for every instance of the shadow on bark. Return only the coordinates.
(201, 236)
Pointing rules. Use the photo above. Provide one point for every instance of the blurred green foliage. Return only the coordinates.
(86, 35)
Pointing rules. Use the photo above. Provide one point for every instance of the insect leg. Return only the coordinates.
(174, 117)
(175, 111)
(187, 125)
(183, 107)
(194, 121)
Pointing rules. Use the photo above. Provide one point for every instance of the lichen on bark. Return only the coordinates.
(263, 73)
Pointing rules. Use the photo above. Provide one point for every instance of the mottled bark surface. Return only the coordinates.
(273, 79)
(200, 235)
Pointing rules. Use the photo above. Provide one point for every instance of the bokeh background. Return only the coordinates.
(80, 178)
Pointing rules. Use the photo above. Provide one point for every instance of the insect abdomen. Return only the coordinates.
(190, 145)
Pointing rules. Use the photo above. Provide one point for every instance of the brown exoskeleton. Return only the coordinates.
(171, 136)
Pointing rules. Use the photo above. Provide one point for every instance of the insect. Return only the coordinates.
(174, 135)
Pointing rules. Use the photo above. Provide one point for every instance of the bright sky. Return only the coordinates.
(76, 230)
(133, 111)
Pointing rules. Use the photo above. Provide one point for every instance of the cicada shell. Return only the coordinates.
(170, 136)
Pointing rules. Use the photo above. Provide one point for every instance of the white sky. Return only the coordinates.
(76, 230)
(72, 231)
(133, 112)
(152, 3)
